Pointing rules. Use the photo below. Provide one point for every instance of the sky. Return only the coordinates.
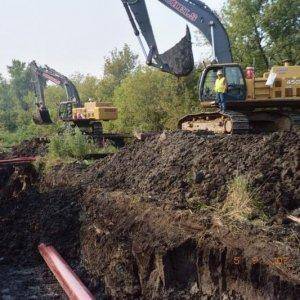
(74, 36)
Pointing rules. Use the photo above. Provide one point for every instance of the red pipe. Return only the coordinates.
(68, 280)
(19, 160)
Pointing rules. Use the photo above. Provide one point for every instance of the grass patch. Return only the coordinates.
(242, 202)
(11, 138)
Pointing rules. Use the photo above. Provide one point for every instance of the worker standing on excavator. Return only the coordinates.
(220, 89)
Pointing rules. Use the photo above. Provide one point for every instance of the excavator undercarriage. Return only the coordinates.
(233, 122)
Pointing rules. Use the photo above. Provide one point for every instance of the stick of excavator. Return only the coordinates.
(42, 117)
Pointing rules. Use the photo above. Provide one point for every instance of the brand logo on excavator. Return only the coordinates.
(192, 16)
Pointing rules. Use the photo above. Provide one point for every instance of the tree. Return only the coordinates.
(243, 22)
(7, 115)
(263, 30)
(151, 100)
(5, 95)
(281, 23)
(20, 82)
(88, 88)
(117, 66)
(120, 63)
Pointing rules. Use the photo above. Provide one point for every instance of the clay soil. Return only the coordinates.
(147, 223)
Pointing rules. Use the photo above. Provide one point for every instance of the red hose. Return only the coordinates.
(68, 280)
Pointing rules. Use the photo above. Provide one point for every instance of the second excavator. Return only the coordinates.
(87, 116)
(255, 104)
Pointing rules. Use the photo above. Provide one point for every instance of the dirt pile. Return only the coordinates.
(144, 221)
(33, 147)
(15, 181)
(141, 239)
(29, 216)
(180, 168)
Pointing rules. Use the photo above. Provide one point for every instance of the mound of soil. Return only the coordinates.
(180, 168)
(15, 181)
(140, 238)
(29, 217)
(140, 250)
(33, 147)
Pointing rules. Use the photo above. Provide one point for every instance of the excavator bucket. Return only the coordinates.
(179, 59)
(42, 117)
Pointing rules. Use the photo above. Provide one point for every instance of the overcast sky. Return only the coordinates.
(74, 35)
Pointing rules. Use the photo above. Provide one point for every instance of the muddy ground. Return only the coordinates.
(145, 223)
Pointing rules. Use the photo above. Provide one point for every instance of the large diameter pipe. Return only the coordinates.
(68, 280)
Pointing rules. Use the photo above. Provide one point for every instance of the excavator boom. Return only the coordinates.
(42, 115)
(40, 75)
(179, 59)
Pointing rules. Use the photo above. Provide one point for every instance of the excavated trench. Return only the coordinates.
(144, 223)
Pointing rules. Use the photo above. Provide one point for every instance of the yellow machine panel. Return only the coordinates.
(96, 111)
(285, 84)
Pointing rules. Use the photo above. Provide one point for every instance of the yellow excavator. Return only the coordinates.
(254, 104)
(87, 116)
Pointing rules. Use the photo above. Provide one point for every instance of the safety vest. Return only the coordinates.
(220, 86)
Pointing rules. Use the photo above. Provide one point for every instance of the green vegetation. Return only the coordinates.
(262, 31)
(150, 100)
(71, 145)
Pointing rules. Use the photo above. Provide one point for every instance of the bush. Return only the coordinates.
(71, 145)
(149, 100)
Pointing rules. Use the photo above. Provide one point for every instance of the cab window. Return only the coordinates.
(209, 85)
(236, 84)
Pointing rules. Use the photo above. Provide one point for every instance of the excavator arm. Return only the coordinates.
(40, 75)
(179, 59)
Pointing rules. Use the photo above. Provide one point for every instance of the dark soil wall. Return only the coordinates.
(29, 217)
(139, 249)
(131, 218)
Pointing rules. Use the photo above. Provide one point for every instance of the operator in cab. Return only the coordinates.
(221, 89)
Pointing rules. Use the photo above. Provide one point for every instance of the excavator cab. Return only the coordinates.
(237, 88)
(65, 110)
